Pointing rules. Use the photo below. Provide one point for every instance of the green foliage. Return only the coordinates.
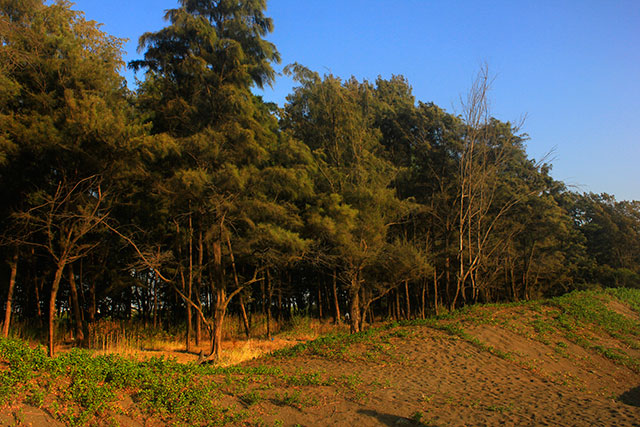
(295, 399)
(332, 346)
(160, 386)
(629, 296)
(194, 186)
(590, 306)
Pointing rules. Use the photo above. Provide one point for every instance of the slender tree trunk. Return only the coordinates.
(447, 275)
(91, 306)
(268, 302)
(336, 302)
(155, 303)
(319, 303)
(423, 300)
(435, 292)
(190, 288)
(280, 316)
(354, 304)
(38, 285)
(263, 299)
(199, 287)
(364, 310)
(12, 284)
(76, 305)
(219, 301)
(406, 291)
(52, 304)
(198, 326)
(245, 319)
(83, 299)
(218, 320)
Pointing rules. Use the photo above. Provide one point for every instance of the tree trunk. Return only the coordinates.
(406, 292)
(268, 303)
(199, 287)
(38, 286)
(364, 304)
(52, 304)
(12, 284)
(279, 319)
(245, 319)
(435, 292)
(336, 303)
(354, 305)
(155, 303)
(92, 308)
(218, 319)
(76, 306)
(190, 288)
(447, 275)
(319, 303)
(219, 301)
(423, 300)
(263, 298)
(83, 299)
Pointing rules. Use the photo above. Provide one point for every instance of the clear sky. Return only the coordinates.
(571, 67)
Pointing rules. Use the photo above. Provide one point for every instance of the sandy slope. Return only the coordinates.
(505, 370)
(449, 382)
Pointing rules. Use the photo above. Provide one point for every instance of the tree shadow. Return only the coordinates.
(631, 397)
(392, 420)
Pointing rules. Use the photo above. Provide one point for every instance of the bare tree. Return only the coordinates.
(156, 260)
(59, 224)
(483, 157)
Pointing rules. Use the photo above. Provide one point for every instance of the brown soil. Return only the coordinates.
(443, 381)
(510, 375)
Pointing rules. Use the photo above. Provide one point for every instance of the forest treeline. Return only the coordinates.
(191, 197)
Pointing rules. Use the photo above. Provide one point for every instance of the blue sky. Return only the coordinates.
(571, 67)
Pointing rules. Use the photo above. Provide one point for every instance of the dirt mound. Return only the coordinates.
(437, 379)
(572, 361)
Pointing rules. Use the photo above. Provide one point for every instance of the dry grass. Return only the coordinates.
(142, 341)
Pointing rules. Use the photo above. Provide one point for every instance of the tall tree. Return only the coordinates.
(200, 70)
(355, 204)
(65, 127)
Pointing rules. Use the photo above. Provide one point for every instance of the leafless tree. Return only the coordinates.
(59, 224)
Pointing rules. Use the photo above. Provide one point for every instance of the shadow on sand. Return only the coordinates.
(631, 397)
(392, 420)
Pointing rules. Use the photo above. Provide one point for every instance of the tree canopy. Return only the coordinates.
(192, 198)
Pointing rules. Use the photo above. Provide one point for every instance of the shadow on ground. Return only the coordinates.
(392, 420)
(631, 397)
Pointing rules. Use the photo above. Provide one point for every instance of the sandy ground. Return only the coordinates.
(419, 375)
(441, 381)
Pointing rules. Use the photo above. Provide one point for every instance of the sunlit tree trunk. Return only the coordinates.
(268, 303)
(406, 291)
(52, 304)
(245, 318)
(190, 288)
(354, 304)
(219, 300)
(12, 284)
(336, 302)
